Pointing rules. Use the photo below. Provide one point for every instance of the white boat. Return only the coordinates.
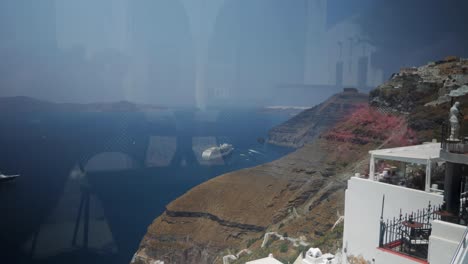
(217, 152)
(5, 178)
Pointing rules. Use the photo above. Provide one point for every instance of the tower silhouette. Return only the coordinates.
(363, 67)
(339, 67)
(28, 25)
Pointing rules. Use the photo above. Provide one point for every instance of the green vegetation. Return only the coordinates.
(252, 241)
(331, 240)
(284, 247)
(270, 241)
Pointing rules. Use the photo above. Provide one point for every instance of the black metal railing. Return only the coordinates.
(463, 214)
(409, 234)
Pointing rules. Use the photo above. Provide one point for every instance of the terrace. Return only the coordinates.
(418, 167)
(400, 213)
(409, 234)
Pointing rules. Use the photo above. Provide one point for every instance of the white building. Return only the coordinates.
(392, 223)
(268, 260)
(315, 256)
(312, 256)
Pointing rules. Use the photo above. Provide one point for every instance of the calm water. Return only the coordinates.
(91, 183)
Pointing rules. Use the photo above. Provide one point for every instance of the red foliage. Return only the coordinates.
(367, 125)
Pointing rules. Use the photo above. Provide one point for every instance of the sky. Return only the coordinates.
(199, 53)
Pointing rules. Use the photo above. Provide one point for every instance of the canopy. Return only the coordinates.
(424, 154)
(419, 154)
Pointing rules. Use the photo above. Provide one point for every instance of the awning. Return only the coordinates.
(424, 154)
(419, 154)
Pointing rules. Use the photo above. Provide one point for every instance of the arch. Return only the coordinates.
(159, 33)
(202, 17)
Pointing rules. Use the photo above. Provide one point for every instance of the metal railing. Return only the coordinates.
(463, 210)
(409, 234)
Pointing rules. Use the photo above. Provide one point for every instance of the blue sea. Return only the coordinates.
(91, 183)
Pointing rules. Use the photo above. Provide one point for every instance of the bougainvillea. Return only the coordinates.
(368, 125)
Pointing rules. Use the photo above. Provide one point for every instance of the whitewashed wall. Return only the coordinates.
(363, 207)
(388, 257)
(444, 241)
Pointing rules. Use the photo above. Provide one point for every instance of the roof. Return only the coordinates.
(267, 260)
(419, 154)
(460, 91)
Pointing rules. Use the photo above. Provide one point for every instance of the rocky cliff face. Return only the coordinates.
(225, 212)
(307, 125)
(301, 193)
(423, 94)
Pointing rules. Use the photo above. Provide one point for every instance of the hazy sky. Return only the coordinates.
(151, 50)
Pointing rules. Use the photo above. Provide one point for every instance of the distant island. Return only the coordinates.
(29, 104)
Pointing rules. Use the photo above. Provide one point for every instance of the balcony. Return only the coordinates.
(364, 209)
(414, 223)
(409, 234)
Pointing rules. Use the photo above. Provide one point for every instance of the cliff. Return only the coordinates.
(299, 194)
(226, 212)
(423, 94)
(307, 125)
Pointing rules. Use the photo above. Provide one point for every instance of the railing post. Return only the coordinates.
(372, 168)
(382, 233)
(443, 139)
(382, 225)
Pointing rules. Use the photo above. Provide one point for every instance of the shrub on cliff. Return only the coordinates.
(284, 247)
(367, 125)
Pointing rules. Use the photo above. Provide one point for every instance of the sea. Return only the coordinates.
(92, 182)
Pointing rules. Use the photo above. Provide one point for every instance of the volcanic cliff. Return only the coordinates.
(299, 194)
(302, 194)
(424, 94)
(307, 125)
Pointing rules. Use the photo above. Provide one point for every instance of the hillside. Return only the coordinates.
(307, 125)
(302, 194)
(299, 194)
(422, 94)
